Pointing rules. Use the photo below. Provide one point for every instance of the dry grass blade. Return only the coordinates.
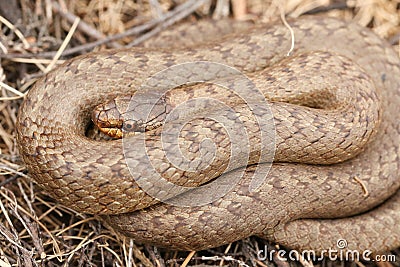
(17, 32)
(180, 14)
(12, 90)
(71, 18)
(63, 46)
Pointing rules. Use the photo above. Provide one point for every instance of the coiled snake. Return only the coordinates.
(350, 98)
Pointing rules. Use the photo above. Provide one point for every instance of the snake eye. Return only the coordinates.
(129, 126)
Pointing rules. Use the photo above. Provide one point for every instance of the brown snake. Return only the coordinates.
(300, 205)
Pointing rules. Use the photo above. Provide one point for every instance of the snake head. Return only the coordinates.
(110, 118)
(122, 116)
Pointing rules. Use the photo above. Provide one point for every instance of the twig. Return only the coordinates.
(156, 8)
(133, 31)
(283, 18)
(88, 46)
(154, 255)
(17, 32)
(11, 170)
(3, 48)
(33, 60)
(239, 9)
(188, 258)
(327, 8)
(221, 9)
(9, 180)
(363, 186)
(183, 12)
(82, 26)
(12, 90)
(63, 45)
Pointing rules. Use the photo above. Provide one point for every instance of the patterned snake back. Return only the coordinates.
(332, 142)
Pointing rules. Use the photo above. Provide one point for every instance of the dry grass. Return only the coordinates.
(37, 35)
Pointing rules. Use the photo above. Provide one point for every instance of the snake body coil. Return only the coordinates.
(305, 202)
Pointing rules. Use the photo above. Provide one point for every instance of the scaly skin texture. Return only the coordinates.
(303, 206)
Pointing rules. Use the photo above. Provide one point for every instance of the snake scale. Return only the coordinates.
(303, 203)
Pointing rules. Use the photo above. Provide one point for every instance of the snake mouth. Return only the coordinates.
(103, 127)
(108, 119)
